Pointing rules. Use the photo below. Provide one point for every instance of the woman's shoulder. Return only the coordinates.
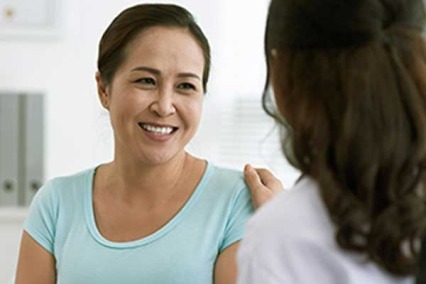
(73, 177)
(293, 231)
(66, 184)
(224, 186)
(226, 178)
(226, 173)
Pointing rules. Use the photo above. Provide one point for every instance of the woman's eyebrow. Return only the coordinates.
(147, 69)
(189, 74)
(158, 72)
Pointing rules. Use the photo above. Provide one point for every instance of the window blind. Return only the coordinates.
(249, 135)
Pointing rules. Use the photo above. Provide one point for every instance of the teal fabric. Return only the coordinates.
(183, 251)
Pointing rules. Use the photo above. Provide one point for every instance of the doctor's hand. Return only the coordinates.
(262, 183)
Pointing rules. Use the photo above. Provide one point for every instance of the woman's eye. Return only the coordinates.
(187, 86)
(145, 81)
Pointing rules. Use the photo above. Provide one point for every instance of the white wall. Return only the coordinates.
(77, 130)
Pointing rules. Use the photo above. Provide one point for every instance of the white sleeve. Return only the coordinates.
(251, 272)
(272, 257)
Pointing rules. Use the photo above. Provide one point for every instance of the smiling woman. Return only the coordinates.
(154, 214)
(155, 98)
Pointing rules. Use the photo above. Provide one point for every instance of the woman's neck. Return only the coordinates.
(137, 182)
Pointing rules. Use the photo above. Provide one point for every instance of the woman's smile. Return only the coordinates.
(158, 132)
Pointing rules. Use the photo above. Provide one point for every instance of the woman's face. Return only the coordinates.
(155, 98)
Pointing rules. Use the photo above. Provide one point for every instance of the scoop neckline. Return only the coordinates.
(93, 228)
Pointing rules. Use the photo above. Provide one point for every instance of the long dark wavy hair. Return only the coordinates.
(349, 81)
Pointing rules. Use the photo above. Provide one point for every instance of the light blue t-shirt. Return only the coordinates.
(183, 251)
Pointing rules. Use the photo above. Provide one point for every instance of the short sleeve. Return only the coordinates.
(240, 212)
(252, 272)
(41, 220)
(258, 258)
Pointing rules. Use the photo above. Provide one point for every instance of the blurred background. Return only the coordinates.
(52, 124)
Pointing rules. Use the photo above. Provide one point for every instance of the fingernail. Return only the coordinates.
(248, 168)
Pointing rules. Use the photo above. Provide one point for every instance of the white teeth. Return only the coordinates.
(158, 130)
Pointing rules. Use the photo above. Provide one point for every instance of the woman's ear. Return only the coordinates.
(102, 91)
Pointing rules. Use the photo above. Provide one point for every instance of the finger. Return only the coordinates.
(259, 193)
(252, 178)
(269, 180)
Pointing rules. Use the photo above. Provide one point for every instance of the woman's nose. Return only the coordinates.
(163, 105)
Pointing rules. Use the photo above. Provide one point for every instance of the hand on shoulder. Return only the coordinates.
(262, 183)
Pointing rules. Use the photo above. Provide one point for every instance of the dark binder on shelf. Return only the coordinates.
(9, 149)
(32, 132)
